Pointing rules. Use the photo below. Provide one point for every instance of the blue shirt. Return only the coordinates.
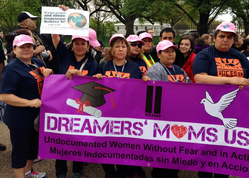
(67, 61)
(21, 80)
(141, 64)
(131, 70)
(222, 64)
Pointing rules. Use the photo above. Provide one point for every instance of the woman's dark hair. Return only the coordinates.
(180, 60)
(245, 44)
(200, 45)
(195, 35)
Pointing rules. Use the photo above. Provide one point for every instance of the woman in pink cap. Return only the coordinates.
(116, 63)
(21, 88)
(148, 40)
(117, 66)
(75, 60)
(220, 64)
(135, 54)
(95, 46)
(165, 70)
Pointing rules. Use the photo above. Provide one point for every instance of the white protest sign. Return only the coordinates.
(71, 22)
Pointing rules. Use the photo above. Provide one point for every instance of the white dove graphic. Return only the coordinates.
(215, 109)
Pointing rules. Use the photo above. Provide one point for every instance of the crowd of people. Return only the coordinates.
(33, 56)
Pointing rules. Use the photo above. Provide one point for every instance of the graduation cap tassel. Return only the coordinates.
(114, 106)
(81, 105)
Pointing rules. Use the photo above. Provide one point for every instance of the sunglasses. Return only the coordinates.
(134, 44)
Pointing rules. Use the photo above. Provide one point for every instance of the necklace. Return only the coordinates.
(114, 65)
(167, 71)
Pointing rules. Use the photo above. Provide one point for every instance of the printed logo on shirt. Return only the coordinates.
(229, 67)
(143, 69)
(39, 78)
(180, 78)
(112, 74)
(84, 72)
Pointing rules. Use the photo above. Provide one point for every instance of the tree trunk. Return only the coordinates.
(129, 25)
(203, 26)
(246, 25)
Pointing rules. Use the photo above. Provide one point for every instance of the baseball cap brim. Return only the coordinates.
(25, 15)
(80, 37)
(94, 43)
(23, 43)
(227, 30)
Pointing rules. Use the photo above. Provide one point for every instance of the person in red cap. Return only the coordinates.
(21, 89)
(221, 64)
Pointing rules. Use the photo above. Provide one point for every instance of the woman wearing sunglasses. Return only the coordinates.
(135, 54)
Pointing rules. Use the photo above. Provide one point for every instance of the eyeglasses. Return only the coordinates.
(134, 44)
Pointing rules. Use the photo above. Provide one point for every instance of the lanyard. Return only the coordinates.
(167, 71)
(114, 65)
(83, 64)
(34, 65)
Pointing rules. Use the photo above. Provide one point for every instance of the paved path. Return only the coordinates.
(91, 170)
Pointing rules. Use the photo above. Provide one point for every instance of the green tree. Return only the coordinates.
(241, 10)
(208, 10)
(11, 8)
(103, 29)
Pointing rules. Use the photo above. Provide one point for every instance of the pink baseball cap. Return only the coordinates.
(145, 35)
(81, 37)
(93, 38)
(134, 38)
(227, 27)
(114, 37)
(22, 39)
(165, 44)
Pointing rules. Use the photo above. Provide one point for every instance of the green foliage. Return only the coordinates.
(11, 8)
(104, 28)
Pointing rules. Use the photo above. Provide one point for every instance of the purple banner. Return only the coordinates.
(154, 124)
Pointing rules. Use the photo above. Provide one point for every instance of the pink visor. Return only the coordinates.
(227, 27)
(81, 37)
(145, 35)
(93, 38)
(165, 44)
(134, 38)
(22, 39)
(114, 37)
